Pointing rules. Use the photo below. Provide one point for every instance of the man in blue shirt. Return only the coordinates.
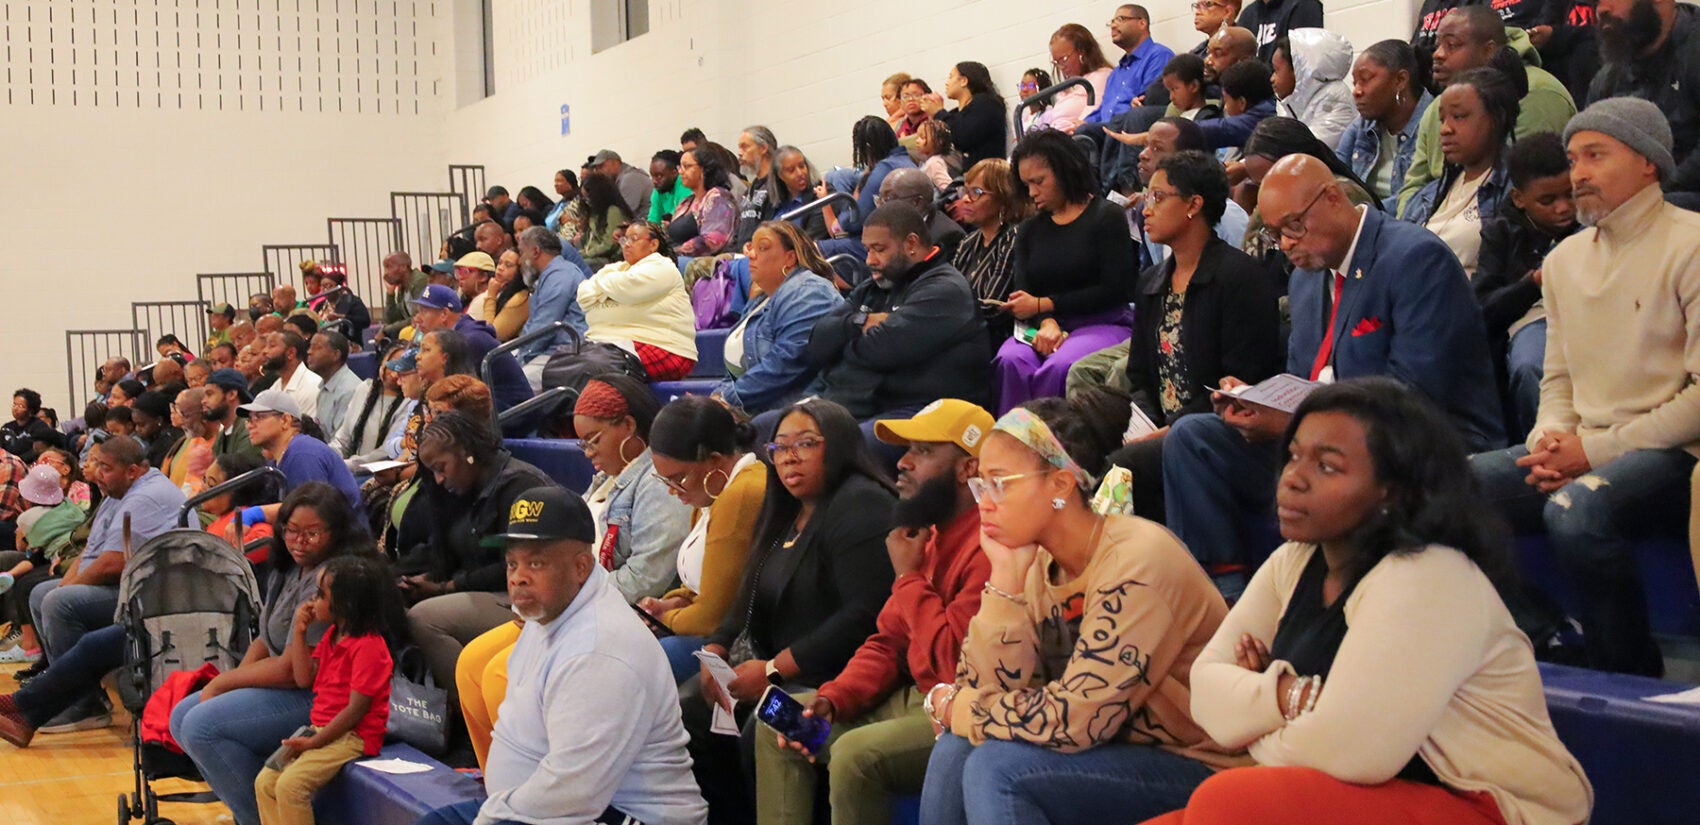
(1141, 64)
(274, 425)
(84, 600)
(554, 277)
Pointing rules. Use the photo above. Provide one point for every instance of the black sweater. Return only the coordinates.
(980, 130)
(1512, 249)
(1270, 20)
(1230, 325)
(1085, 267)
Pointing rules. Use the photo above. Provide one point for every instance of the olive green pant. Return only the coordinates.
(871, 759)
(1105, 368)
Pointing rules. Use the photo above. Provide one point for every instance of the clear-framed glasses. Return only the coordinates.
(1155, 197)
(1294, 228)
(588, 443)
(992, 489)
(795, 448)
(912, 96)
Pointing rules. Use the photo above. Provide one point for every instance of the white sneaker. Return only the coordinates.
(18, 655)
(96, 722)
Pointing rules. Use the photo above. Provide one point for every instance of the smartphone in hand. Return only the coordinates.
(281, 757)
(785, 716)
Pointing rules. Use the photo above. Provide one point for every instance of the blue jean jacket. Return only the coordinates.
(1360, 148)
(776, 341)
(1495, 189)
(651, 524)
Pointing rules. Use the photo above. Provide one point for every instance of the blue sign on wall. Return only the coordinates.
(566, 120)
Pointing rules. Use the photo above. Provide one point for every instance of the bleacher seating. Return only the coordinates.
(364, 364)
(563, 461)
(1667, 573)
(1637, 753)
(711, 353)
(364, 796)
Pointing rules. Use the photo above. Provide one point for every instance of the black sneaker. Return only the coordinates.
(30, 672)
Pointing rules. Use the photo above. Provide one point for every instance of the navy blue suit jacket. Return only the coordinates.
(1406, 312)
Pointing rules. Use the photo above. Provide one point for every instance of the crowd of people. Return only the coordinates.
(1157, 462)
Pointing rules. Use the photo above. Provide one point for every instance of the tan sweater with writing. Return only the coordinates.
(1623, 332)
(1102, 658)
(1432, 665)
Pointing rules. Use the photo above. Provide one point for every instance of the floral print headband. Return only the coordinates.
(1032, 431)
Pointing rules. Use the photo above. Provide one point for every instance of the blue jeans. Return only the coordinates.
(679, 651)
(64, 613)
(1215, 485)
(1014, 783)
(1525, 361)
(230, 736)
(71, 677)
(1592, 524)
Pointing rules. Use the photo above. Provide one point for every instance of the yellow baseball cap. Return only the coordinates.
(476, 260)
(947, 420)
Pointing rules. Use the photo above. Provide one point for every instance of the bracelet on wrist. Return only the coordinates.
(1005, 594)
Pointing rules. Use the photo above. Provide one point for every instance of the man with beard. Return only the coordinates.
(402, 285)
(1610, 455)
(910, 334)
(554, 271)
(590, 729)
(226, 389)
(274, 423)
(881, 736)
(286, 353)
(1650, 49)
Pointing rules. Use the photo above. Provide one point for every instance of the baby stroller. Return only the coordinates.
(186, 598)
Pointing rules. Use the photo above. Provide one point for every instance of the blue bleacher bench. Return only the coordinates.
(363, 364)
(1667, 576)
(563, 460)
(363, 796)
(666, 391)
(1641, 756)
(711, 353)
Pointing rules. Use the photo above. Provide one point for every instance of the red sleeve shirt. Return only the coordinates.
(360, 664)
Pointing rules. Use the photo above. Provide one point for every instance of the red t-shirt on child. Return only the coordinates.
(359, 663)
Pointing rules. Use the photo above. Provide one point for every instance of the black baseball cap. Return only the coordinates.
(229, 379)
(546, 514)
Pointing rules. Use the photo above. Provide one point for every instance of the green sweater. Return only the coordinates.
(1546, 108)
(663, 204)
(51, 533)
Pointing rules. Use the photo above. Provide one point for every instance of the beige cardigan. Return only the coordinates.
(1432, 665)
(643, 302)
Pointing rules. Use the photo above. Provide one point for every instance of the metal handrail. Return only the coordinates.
(220, 489)
(486, 369)
(1046, 94)
(546, 398)
(816, 205)
(857, 265)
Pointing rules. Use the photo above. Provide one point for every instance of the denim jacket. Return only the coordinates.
(1360, 147)
(1421, 206)
(652, 524)
(775, 365)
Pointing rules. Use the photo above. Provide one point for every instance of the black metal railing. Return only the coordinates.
(545, 400)
(853, 271)
(87, 349)
(220, 489)
(467, 180)
(283, 262)
(185, 319)
(427, 218)
(487, 368)
(233, 288)
(362, 244)
(1046, 94)
(818, 204)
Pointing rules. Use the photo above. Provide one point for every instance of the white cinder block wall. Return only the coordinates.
(805, 68)
(143, 141)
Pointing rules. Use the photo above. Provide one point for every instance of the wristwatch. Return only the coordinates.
(773, 676)
(859, 317)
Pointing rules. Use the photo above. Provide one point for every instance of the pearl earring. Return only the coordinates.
(1058, 504)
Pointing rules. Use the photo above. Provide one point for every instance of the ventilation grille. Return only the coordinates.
(361, 57)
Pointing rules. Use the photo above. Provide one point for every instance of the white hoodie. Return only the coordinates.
(1321, 98)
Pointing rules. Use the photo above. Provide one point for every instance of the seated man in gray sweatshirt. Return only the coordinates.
(589, 730)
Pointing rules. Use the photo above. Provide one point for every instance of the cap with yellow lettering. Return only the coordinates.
(946, 420)
(546, 514)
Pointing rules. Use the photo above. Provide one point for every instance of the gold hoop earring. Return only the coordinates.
(713, 497)
(622, 450)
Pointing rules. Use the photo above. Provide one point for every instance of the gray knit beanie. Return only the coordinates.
(1636, 122)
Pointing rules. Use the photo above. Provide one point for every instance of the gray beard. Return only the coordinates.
(528, 273)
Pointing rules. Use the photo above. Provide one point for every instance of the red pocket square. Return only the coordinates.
(1366, 326)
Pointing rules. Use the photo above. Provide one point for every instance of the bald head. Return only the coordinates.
(1300, 197)
(491, 239)
(1479, 22)
(1229, 45)
(267, 324)
(911, 186)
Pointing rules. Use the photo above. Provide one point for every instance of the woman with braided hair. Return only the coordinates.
(468, 486)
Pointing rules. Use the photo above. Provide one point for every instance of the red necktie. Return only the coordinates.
(1326, 351)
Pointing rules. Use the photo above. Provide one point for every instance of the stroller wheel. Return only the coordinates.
(123, 809)
(151, 808)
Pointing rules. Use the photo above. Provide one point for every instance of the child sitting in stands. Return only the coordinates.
(349, 671)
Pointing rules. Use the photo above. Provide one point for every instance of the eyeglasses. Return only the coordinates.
(307, 536)
(973, 193)
(1155, 197)
(675, 486)
(993, 488)
(628, 240)
(1206, 5)
(1122, 18)
(1294, 228)
(881, 200)
(1025, 85)
(795, 448)
(588, 443)
(907, 96)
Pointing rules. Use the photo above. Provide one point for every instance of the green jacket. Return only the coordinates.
(663, 204)
(236, 442)
(1546, 108)
(397, 311)
(51, 533)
